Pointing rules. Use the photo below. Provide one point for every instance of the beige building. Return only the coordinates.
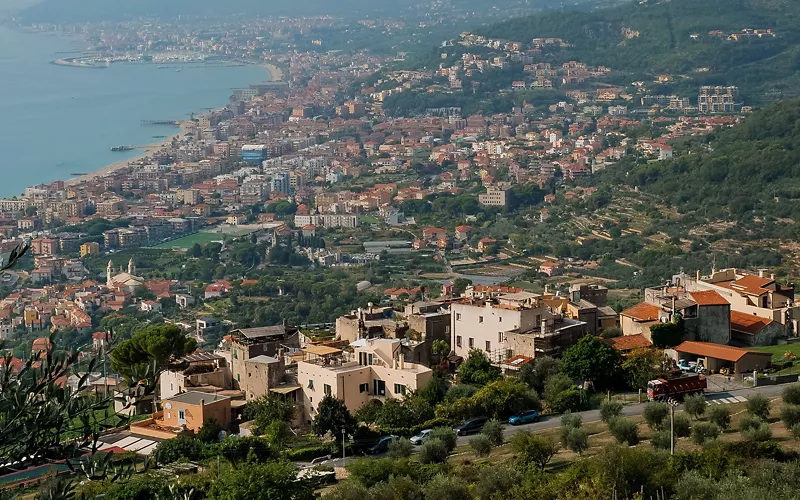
(249, 343)
(190, 409)
(375, 370)
(261, 374)
(511, 324)
(201, 372)
(494, 197)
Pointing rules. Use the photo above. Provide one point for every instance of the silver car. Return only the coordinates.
(421, 437)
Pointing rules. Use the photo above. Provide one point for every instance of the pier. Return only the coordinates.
(174, 123)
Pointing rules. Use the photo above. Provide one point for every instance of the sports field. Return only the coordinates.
(188, 241)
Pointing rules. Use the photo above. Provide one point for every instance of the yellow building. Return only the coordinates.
(90, 249)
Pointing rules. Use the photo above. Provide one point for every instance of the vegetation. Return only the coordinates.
(609, 410)
(695, 405)
(625, 431)
(720, 415)
(758, 406)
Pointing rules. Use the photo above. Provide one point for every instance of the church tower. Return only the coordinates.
(131, 267)
(109, 271)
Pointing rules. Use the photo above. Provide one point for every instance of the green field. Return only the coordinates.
(188, 241)
(777, 351)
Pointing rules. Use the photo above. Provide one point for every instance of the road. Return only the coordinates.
(633, 410)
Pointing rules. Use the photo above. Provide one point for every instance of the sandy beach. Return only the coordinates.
(146, 151)
(276, 74)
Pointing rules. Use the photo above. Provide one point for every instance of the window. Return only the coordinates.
(458, 316)
(488, 346)
(400, 389)
(235, 354)
(363, 388)
(509, 354)
(500, 337)
(311, 384)
(458, 340)
(447, 330)
(499, 319)
(480, 319)
(369, 359)
(326, 389)
(362, 358)
(471, 342)
(379, 387)
(238, 377)
(181, 415)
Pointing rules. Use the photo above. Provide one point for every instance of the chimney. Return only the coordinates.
(402, 361)
(762, 273)
(772, 276)
(697, 275)
(544, 327)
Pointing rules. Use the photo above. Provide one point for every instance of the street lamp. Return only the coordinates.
(672, 404)
(344, 449)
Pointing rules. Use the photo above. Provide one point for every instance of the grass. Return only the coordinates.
(370, 219)
(188, 241)
(777, 351)
(100, 420)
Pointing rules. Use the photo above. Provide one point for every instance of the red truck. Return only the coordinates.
(662, 389)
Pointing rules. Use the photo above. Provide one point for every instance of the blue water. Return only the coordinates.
(58, 120)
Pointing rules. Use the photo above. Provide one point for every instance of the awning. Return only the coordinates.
(286, 389)
(321, 350)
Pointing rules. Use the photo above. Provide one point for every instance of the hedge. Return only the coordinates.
(311, 452)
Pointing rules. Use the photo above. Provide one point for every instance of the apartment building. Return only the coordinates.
(250, 343)
(376, 370)
(494, 197)
(511, 324)
(717, 99)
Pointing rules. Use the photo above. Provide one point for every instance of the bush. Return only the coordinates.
(443, 487)
(655, 414)
(791, 394)
(702, 432)
(433, 451)
(660, 440)
(790, 415)
(209, 432)
(400, 448)
(493, 432)
(682, 425)
(570, 400)
(609, 410)
(749, 422)
(759, 433)
(576, 440)
(695, 405)
(570, 419)
(481, 445)
(309, 453)
(720, 415)
(446, 435)
(758, 406)
(624, 430)
(555, 385)
(796, 431)
(534, 449)
(172, 450)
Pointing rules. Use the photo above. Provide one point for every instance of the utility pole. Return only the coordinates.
(344, 449)
(671, 430)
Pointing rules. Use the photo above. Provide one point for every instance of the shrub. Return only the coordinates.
(310, 452)
(400, 448)
(534, 449)
(433, 451)
(493, 432)
(790, 415)
(702, 432)
(172, 450)
(660, 440)
(749, 422)
(682, 425)
(576, 440)
(446, 435)
(695, 405)
(570, 419)
(443, 487)
(609, 410)
(759, 433)
(624, 430)
(481, 445)
(791, 394)
(758, 406)
(209, 432)
(720, 415)
(570, 400)
(655, 414)
(796, 431)
(555, 385)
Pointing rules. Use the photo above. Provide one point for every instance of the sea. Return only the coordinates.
(59, 120)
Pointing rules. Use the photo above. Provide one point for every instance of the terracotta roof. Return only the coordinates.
(719, 351)
(751, 284)
(628, 342)
(642, 312)
(747, 323)
(708, 298)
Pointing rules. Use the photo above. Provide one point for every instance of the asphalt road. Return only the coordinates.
(552, 421)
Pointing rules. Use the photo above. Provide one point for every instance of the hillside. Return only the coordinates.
(660, 40)
(738, 174)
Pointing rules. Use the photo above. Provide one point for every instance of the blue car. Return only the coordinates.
(526, 417)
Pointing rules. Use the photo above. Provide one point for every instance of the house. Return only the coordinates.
(463, 232)
(718, 356)
(236, 219)
(150, 306)
(433, 233)
(749, 330)
(309, 230)
(190, 409)
(375, 371)
(206, 325)
(201, 372)
(249, 343)
(628, 343)
(550, 269)
(638, 319)
(100, 340)
(485, 244)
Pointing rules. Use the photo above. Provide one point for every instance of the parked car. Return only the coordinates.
(421, 437)
(686, 365)
(525, 417)
(382, 446)
(470, 426)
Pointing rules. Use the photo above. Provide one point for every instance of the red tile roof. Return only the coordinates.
(719, 351)
(628, 342)
(708, 298)
(751, 284)
(747, 323)
(642, 312)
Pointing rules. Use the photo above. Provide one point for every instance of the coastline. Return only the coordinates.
(147, 151)
(276, 74)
